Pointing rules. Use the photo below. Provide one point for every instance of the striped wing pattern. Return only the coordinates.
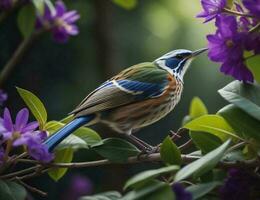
(137, 83)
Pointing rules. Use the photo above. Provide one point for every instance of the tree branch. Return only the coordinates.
(21, 172)
(16, 57)
(31, 188)
(34, 171)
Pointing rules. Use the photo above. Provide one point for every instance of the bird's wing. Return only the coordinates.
(134, 84)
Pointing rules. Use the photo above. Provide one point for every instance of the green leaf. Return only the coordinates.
(165, 192)
(144, 177)
(72, 141)
(53, 126)
(35, 105)
(90, 136)
(202, 165)
(197, 108)
(126, 4)
(244, 125)
(253, 65)
(17, 190)
(244, 96)
(170, 153)
(39, 5)
(61, 156)
(111, 195)
(213, 124)
(206, 142)
(67, 119)
(26, 20)
(153, 190)
(11, 191)
(81, 138)
(116, 150)
(201, 190)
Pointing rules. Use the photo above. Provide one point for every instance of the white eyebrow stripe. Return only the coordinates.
(126, 90)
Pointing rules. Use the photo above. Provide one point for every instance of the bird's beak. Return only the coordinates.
(198, 52)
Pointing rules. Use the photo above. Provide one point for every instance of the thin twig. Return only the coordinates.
(132, 160)
(175, 136)
(32, 175)
(255, 28)
(185, 145)
(156, 157)
(31, 188)
(23, 160)
(21, 172)
(16, 57)
(233, 12)
(15, 158)
(237, 146)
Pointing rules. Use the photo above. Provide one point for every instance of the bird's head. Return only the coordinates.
(178, 61)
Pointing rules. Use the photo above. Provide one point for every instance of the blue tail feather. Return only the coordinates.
(64, 132)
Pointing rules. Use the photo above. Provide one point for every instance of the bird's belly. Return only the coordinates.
(141, 114)
(158, 112)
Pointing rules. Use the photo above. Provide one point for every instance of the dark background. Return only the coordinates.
(111, 39)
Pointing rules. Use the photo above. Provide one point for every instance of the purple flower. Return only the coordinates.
(21, 125)
(79, 186)
(254, 42)
(240, 185)
(61, 22)
(3, 97)
(239, 71)
(39, 151)
(212, 8)
(23, 133)
(181, 193)
(253, 6)
(227, 46)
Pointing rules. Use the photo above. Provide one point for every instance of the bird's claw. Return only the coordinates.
(148, 151)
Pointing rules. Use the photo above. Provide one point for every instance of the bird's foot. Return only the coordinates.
(148, 151)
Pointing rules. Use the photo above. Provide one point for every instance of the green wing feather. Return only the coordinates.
(105, 98)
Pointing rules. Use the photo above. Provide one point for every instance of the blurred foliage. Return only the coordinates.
(142, 31)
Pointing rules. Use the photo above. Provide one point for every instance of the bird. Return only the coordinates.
(136, 97)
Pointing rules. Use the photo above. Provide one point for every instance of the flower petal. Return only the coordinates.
(21, 119)
(60, 8)
(8, 124)
(30, 127)
(60, 34)
(71, 16)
